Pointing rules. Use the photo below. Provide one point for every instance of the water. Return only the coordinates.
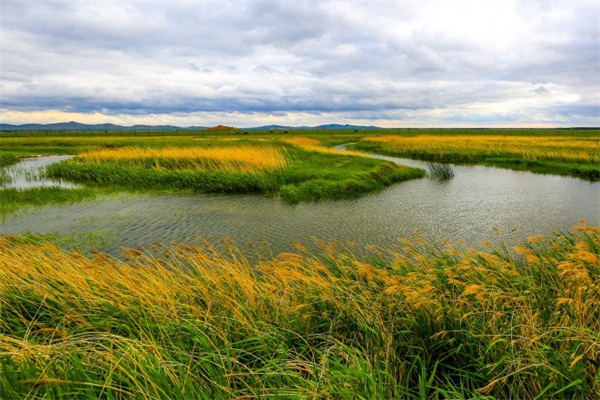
(29, 173)
(466, 208)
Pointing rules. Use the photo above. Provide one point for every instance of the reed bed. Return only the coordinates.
(423, 320)
(255, 166)
(245, 159)
(315, 145)
(568, 149)
(6, 159)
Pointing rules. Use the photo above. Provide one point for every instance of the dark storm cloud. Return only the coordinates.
(359, 60)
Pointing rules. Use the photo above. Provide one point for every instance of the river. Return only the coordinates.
(466, 208)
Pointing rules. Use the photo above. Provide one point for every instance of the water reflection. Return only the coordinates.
(29, 173)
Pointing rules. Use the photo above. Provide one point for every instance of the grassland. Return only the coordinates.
(7, 159)
(574, 156)
(4, 177)
(209, 165)
(424, 320)
(233, 166)
(311, 169)
(130, 162)
(244, 159)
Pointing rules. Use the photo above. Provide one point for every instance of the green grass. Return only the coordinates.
(12, 199)
(423, 320)
(554, 161)
(314, 175)
(309, 176)
(589, 172)
(7, 159)
(4, 176)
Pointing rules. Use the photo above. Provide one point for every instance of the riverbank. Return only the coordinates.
(558, 155)
(420, 321)
(12, 199)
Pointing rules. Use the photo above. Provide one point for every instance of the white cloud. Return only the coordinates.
(403, 63)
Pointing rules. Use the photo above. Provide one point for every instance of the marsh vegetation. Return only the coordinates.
(440, 171)
(423, 320)
(294, 172)
(574, 156)
(417, 319)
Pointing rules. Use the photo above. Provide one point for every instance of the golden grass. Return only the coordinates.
(518, 318)
(243, 158)
(569, 149)
(315, 145)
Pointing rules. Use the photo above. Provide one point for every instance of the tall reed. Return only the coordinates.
(244, 158)
(257, 166)
(316, 145)
(5, 177)
(440, 171)
(423, 320)
(452, 148)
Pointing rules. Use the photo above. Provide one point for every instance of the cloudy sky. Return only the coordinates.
(248, 63)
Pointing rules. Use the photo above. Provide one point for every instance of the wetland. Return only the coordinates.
(299, 266)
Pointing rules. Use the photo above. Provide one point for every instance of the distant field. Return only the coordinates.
(465, 148)
(566, 155)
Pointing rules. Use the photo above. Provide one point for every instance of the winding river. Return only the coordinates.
(466, 208)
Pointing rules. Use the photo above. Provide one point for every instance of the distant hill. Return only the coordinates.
(76, 126)
(318, 127)
(346, 126)
(221, 128)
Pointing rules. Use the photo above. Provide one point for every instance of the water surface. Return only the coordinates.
(29, 173)
(466, 208)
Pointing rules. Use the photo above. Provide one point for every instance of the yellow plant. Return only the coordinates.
(251, 159)
(569, 149)
(112, 315)
(315, 145)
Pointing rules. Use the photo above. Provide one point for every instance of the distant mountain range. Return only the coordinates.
(319, 127)
(76, 126)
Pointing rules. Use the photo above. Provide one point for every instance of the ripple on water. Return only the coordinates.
(465, 208)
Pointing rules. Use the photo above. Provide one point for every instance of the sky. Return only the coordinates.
(250, 63)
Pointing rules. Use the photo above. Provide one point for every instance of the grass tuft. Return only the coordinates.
(12, 199)
(439, 171)
(423, 320)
